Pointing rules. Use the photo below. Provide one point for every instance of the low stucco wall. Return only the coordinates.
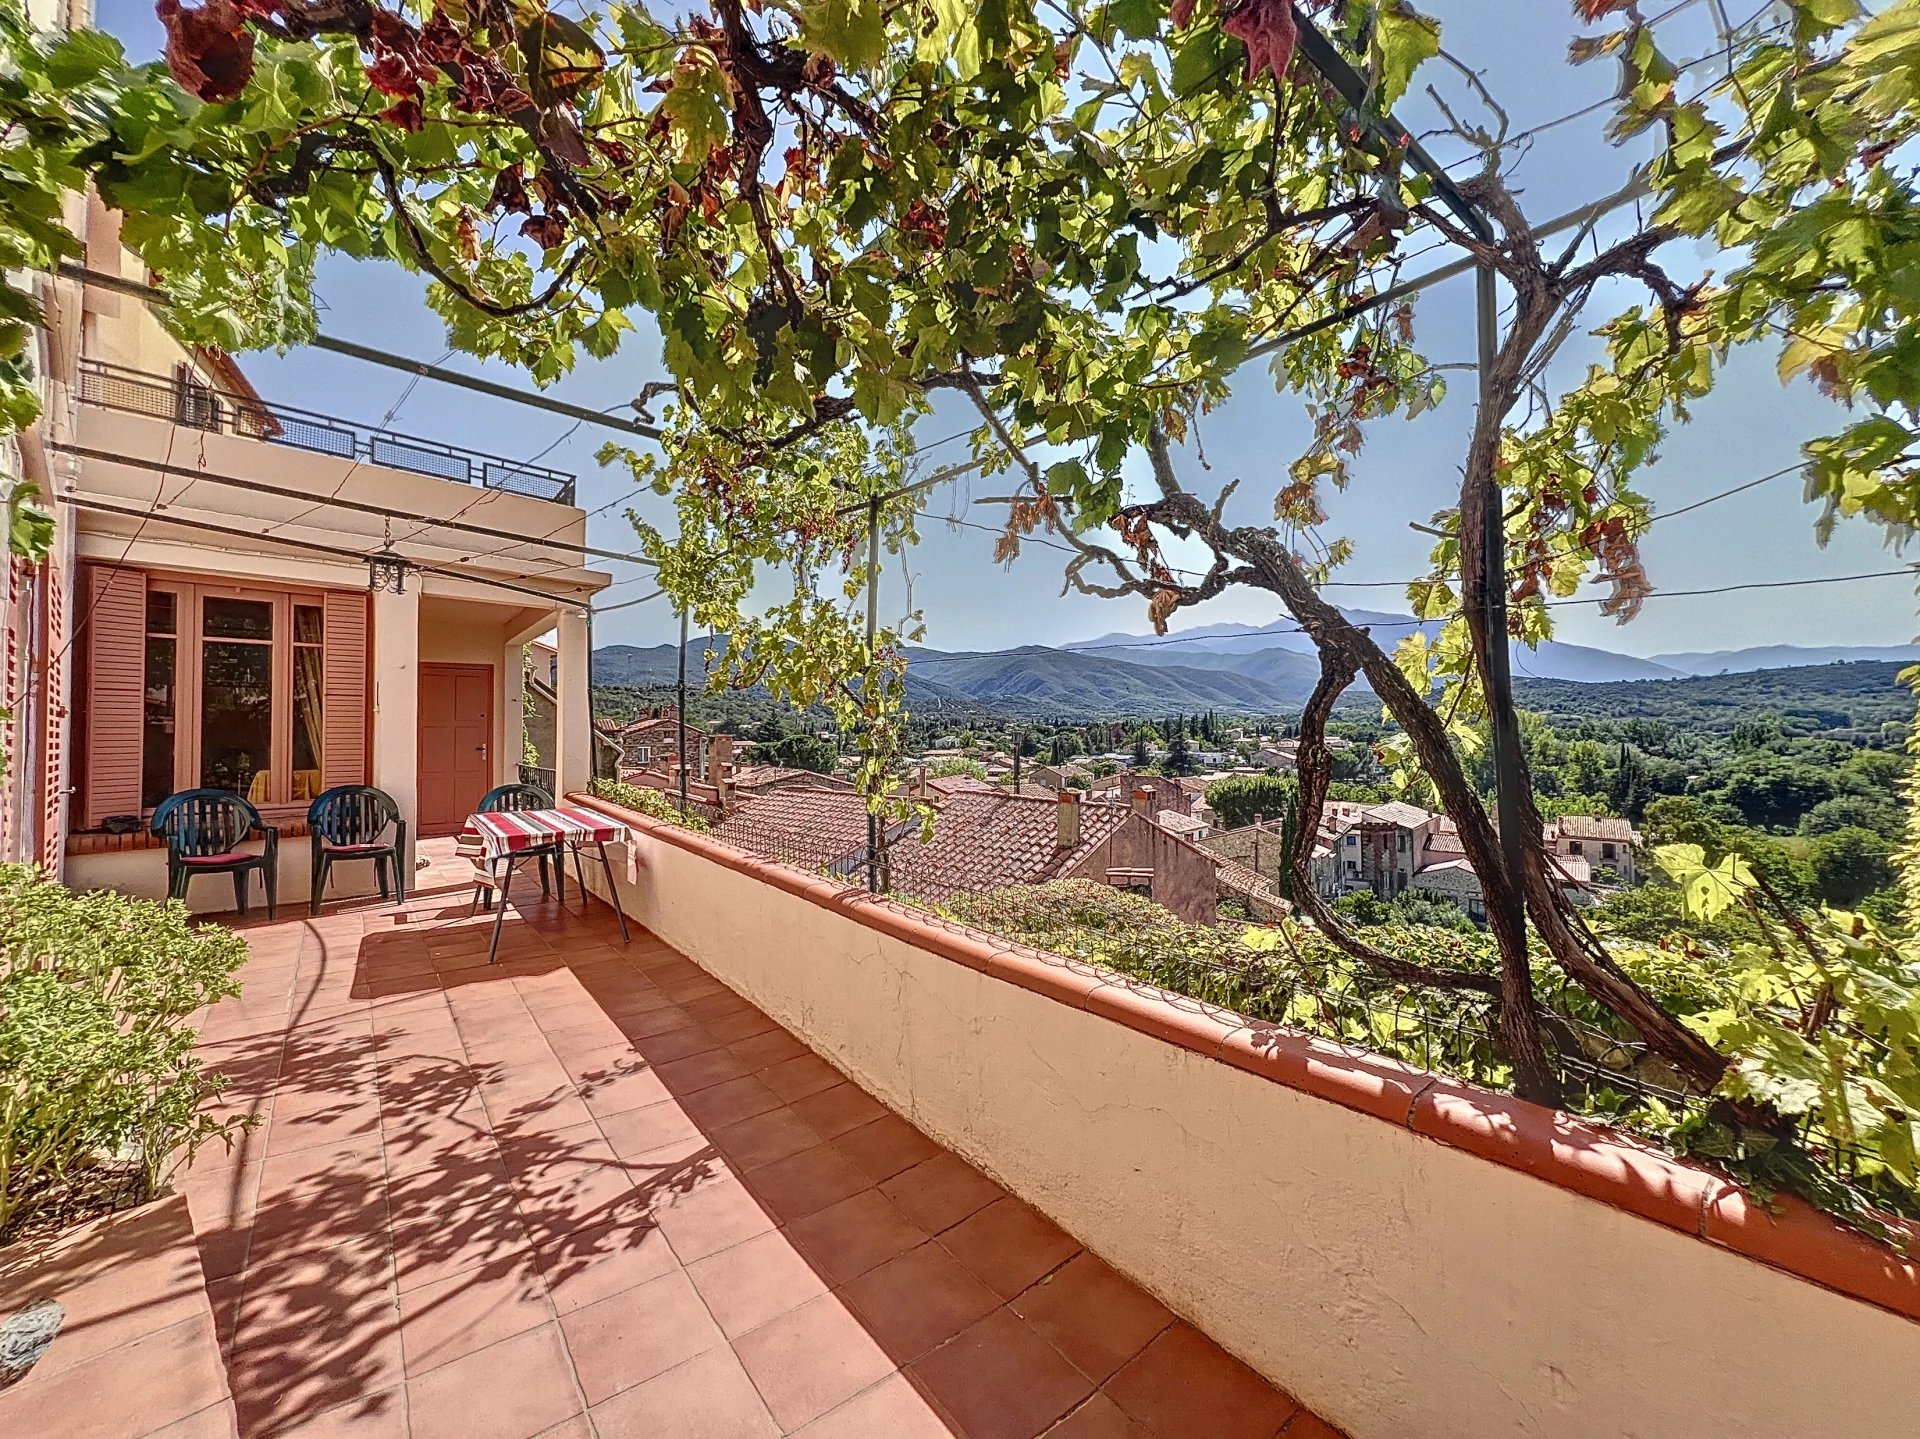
(1278, 1192)
(142, 874)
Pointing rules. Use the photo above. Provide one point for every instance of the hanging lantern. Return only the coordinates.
(387, 570)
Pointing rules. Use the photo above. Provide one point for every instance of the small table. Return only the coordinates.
(508, 834)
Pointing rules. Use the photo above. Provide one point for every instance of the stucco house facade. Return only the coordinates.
(209, 616)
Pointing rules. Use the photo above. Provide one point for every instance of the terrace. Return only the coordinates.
(800, 1160)
(188, 401)
(592, 1189)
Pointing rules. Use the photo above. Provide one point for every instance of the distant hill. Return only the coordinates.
(1067, 682)
(1776, 657)
(1242, 669)
(1812, 699)
(1239, 645)
(631, 665)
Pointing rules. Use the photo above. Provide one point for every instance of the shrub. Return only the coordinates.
(656, 804)
(956, 767)
(96, 1057)
(1289, 975)
(1237, 800)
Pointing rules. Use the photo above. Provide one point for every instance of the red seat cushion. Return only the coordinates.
(228, 858)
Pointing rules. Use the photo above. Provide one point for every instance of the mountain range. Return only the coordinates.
(1232, 667)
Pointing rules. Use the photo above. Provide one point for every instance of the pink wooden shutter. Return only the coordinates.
(343, 695)
(116, 639)
(56, 812)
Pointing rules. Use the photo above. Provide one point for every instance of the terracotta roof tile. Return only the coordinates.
(767, 776)
(989, 839)
(809, 828)
(1174, 822)
(1588, 826)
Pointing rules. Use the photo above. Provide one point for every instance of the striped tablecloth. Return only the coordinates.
(512, 831)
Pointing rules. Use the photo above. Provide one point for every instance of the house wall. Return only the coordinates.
(142, 874)
(1275, 1192)
(122, 330)
(1258, 847)
(1184, 880)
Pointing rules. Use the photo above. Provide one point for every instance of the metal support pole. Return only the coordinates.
(873, 630)
(680, 710)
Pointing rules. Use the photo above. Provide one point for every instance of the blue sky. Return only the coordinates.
(1750, 426)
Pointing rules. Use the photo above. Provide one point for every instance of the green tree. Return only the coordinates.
(1881, 814)
(1241, 799)
(1874, 772)
(1179, 758)
(1849, 864)
(802, 751)
(1584, 770)
(1687, 819)
(956, 767)
(1771, 790)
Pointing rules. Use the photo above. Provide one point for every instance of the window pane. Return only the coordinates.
(306, 722)
(236, 716)
(237, 619)
(156, 740)
(307, 621)
(160, 605)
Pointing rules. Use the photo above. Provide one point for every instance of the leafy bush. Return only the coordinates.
(1236, 801)
(96, 1058)
(799, 751)
(956, 766)
(1820, 1013)
(656, 804)
(1288, 976)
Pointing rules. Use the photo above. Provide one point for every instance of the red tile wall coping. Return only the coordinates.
(1550, 1145)
(138, 1354)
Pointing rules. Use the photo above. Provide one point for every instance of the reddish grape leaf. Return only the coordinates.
(509, 192)
(405, 114)
(545, 230)
(393, 74)
(1266, 28)
(209, 48)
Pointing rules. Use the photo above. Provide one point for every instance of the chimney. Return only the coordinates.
(720, 766)
(1143, 802)
(1067, 820)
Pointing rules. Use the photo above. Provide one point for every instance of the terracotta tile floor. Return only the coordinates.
(589, 1190)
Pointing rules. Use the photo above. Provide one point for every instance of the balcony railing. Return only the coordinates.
(186, 400)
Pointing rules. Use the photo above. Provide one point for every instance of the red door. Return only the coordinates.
(456, 735)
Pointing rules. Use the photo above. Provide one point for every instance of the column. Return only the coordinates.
(513, 714)
(573, 741)
(396, 704)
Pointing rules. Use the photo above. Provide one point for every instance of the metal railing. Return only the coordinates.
(186, 400)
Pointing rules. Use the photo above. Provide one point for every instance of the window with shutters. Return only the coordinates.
(246, 689)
